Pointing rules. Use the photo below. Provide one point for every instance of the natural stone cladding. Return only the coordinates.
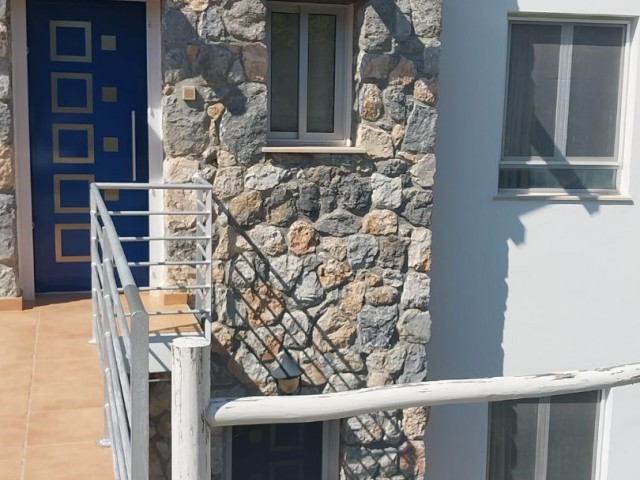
(9, 285)
(328, 255)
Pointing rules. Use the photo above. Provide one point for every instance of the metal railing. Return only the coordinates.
(121, 321)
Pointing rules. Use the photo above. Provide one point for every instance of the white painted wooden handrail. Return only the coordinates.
(331, 406)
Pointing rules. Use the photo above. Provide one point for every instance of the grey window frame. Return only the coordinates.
(559, 160)
(343, 76)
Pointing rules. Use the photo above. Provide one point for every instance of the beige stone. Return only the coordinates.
(334, 330)
(384, 295)
(353, 299)
(316, 369)
(425, 92)
(380, 222)
(370, 279)
(377, 142)
(302, 238)
(414, 422)
(404, 73)
(246, 207)
(371, 106)
(378, 379)
(336, 247)
(179, 169)
(198, 5)
(215, 111)
(255, 59)
(397, 135)
(419, 252)
(221, 339)
(226, 247)
(264, 305)
(7, 180)
(333, 273)
(412, 459)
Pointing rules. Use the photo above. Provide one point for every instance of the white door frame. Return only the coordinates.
(22, 154)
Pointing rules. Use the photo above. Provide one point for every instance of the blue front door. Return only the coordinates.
(87, 110)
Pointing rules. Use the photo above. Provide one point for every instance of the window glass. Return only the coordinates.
(562, 178)
(572, 426)
(532, 93)
(513, 440)
(285, 41)
(322, 68)
(593, 105)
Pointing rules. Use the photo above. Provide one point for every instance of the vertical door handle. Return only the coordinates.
(133, 146)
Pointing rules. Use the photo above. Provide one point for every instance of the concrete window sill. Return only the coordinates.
(314, 149)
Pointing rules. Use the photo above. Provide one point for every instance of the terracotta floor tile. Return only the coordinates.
(60, 329)
(78, 461)
(65, 426)
(63, 348)
(78, 371)
(10, 463)
(14, 400)
(22, 317)
(12, 430)
(15, 374)
(61, 396)
(17, 352)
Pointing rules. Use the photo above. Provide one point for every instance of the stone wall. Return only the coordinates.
(8, 236)
(325, 255)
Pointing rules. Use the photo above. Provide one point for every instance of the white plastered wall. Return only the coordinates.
(525, 286)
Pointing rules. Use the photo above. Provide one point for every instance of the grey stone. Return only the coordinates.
(426, 16)
(373, 428)
(416, 291)
(243, 128)
(395, 103)
(280, 206)
(387, 361)
(354, 192)
(6, 123)
(431, 59)
(268, 239)
(236, 73)
(214, 63)
(358, 463)
(264, 177)
(375, 34)
(228, 182)
(339, 223)
(417, 206)
(362, 251)
(415, 364)
(390, 276)
(374, 67)
(7, 228)
(308, 290)
(242, 272)
(229, 312)
(175, 65)
(179, 27)
(8, 281)
(345, 360)
(284, 271)
(245, 20)
(420, 135)
(387, 191)
(415, 326)
(185, 128)
(5, 80)
(211, 27)
(328, 199)
(423, 172)
(297, 326)
(393, 252)
(248, 368)
(309, 200)
(341, 382)
(376, 326)
(403, 24)
(391, 168)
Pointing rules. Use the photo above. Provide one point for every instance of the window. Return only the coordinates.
(552, 438)
(562, 119)
(309, 74)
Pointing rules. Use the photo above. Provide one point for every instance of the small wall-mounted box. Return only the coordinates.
(188, 93)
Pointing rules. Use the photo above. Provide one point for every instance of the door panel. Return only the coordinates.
(87, 115)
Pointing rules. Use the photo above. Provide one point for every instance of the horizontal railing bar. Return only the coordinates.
(167, 263)
(333, 406)
(110, 284)
(171, 288)
(151, 186)
(176, 312)
(151, 239)
(133, 213)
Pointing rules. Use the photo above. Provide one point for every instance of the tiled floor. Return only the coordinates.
(51, 391)
(51, 394)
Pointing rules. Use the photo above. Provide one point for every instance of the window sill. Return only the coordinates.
(613, 198)
(314, 149)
